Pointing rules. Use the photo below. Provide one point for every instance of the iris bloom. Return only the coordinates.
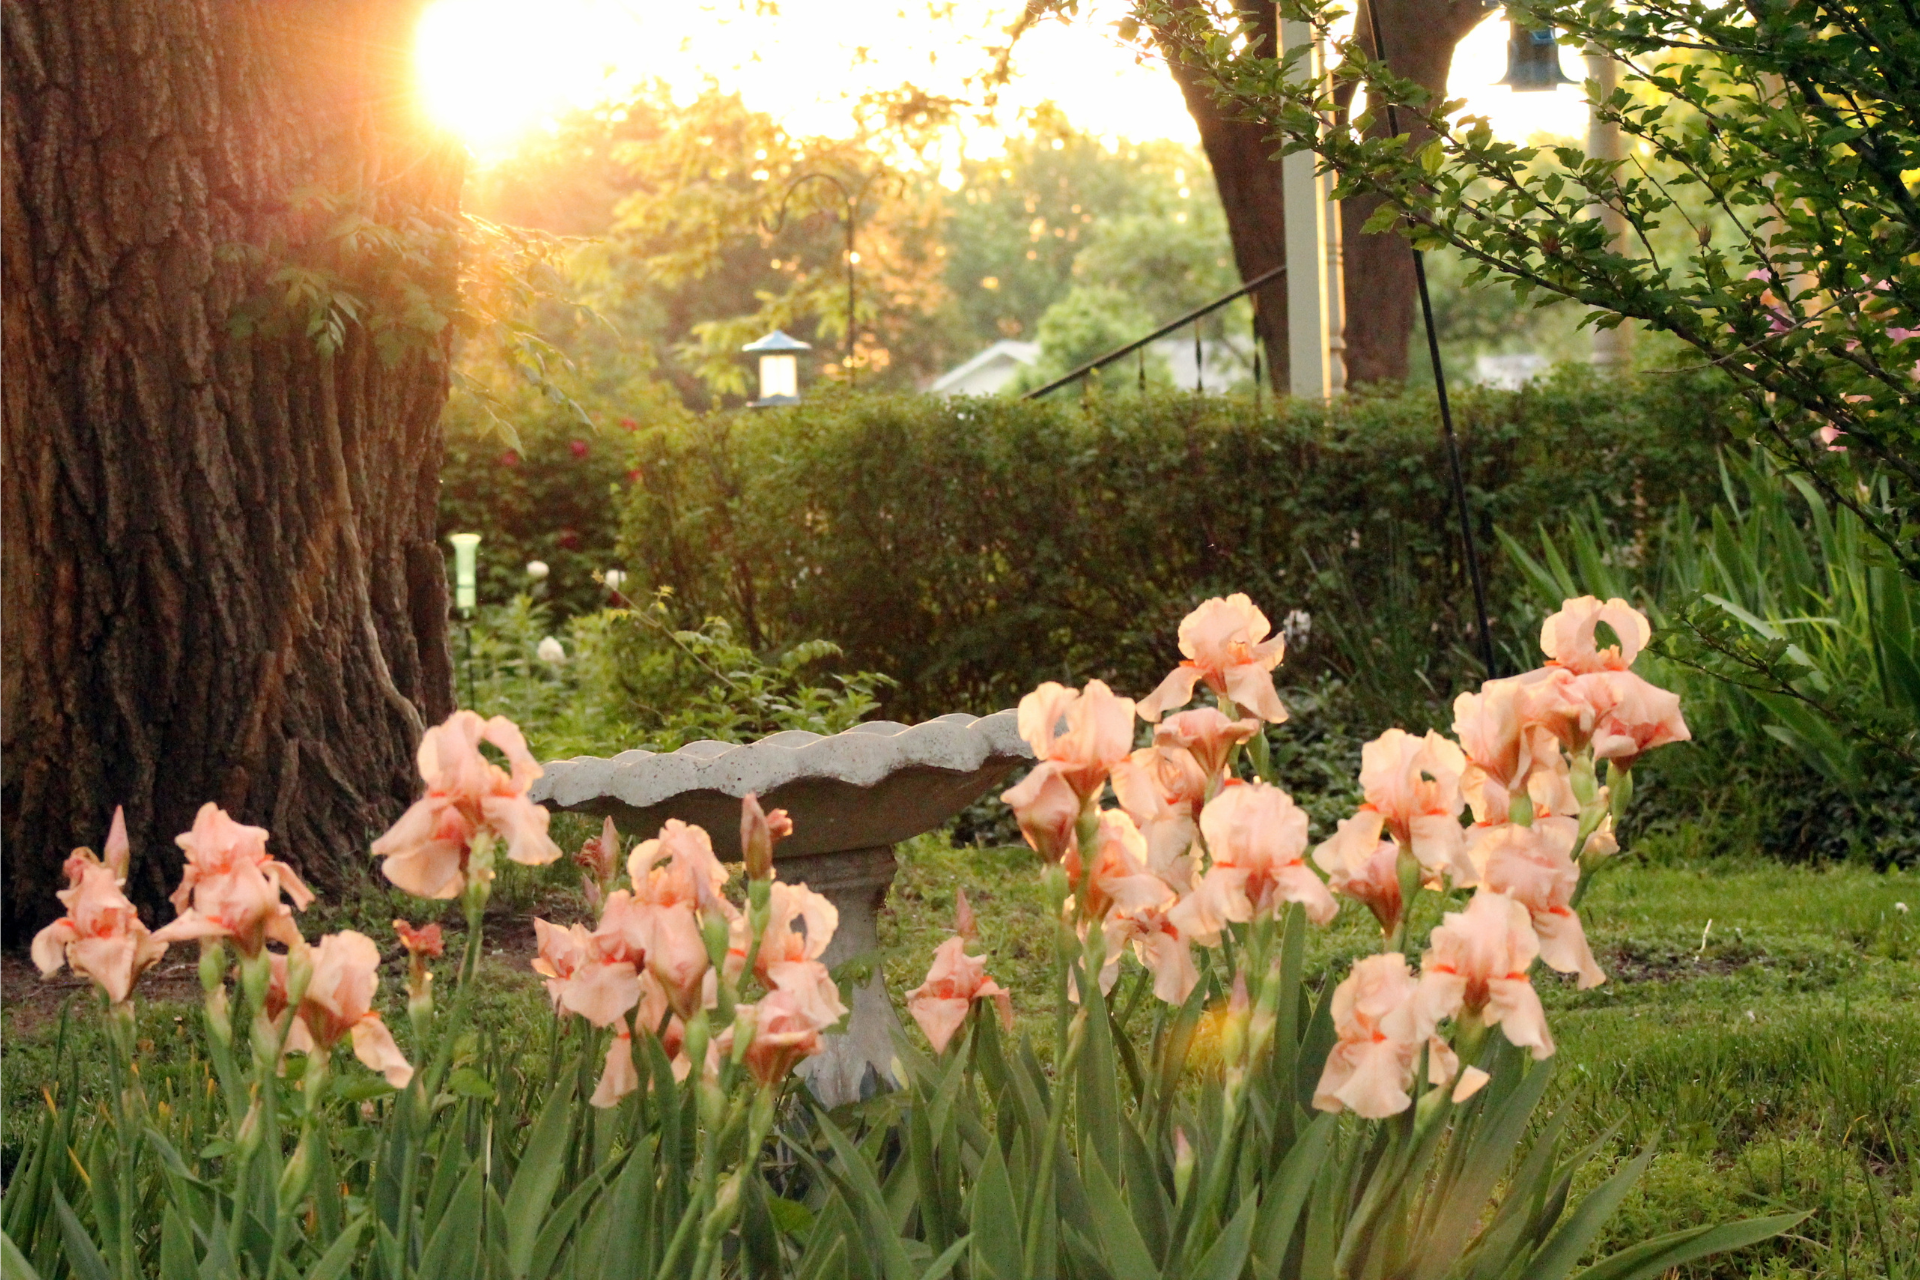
(954, 982)
(585, 974)
(1568, 638)
(1534, 866)
(800, 924)
(426, 851)
(339, 1002)
(1225, 643)
(1117, 876)
(1047, 809)
(1082, 732)
(1413, 785)
(231, 887)
(100, 936)
(1162, 788)
(1476, 963)
(1362, 866)
(1379, 1029)
(1256, 836)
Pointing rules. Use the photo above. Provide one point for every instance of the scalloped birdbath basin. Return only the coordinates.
(852, 797)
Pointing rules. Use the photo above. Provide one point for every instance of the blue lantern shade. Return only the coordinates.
(779, 368)
(1533, 60)
(466, 558)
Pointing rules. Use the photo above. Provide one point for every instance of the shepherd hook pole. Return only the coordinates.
(1446, 411)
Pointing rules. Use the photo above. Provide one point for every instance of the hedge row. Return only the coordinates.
(970, 547)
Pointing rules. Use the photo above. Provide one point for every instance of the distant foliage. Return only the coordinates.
(970, 547)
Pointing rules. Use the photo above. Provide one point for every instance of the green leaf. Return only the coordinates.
(339, 1255)
(869, 1201)
(995, 1252)
(1120, 1240)
(543, 1162)
(939, 1267)
(469, 1083)
(13, 1262)
(1654, 1257)
(1568, 1244)
(81, 1254)
(1286, 1193)
(790, 1216)
(454, 1246)
(1229, 1252)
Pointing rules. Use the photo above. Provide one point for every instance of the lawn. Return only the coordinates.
(1758, 1029)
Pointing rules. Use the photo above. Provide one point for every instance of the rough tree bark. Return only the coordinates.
(1248, 179)
(1420, 36)
(220, 574)
(1379, 296)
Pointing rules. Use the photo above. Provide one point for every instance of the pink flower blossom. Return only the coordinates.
(1379, 1030)
(1476, 963)
(1098, 732)
(1158, 944)
(1162, 788)
(100, 936)
(116, 853)
(954, 982)
(339, 1002)
(1414, 785)
(586, 974)
(618, 1075)
(800, 924)
(1226, 644)
(230, 887)
(1534, 866)
(1568, 638)
(1117, 878)
(599, 856)
(1362, 866)
(759, 832)
(1256, 837)
(1047, 809)
(426, 850)
(1208, 735)
(1508, 753)
(1641, 717)
(784, 1035)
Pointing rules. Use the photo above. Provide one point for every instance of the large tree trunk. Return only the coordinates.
(1420, 36)
(1248, 178)
(220, 573)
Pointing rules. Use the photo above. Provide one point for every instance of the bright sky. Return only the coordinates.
(495, 69)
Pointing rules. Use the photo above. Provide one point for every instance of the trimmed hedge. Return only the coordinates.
(966, 546)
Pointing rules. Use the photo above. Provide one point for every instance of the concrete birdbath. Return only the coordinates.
(852, 797)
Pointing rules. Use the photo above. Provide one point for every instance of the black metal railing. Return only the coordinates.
(1193, 318)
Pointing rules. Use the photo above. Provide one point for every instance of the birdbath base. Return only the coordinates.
(852, 797)
(856, 882)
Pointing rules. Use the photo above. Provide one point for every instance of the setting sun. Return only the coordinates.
(493, 69)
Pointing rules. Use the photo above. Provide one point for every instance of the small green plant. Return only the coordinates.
(629, 677)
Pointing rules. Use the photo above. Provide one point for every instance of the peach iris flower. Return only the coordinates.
(1117, 876)
(1226, 644)
(954, 982)
(585, 974)
(1641, 717)
(426, 850)
(1509, 753)
(1568, 637)
(674, 876)
(1256, 836)
(1413, 784)
(1047, 810)
(1477, 962)
(114, 855)
(599, 857)
(784, 1035)
(789, 956)
(1162, 788)
(1208, 735)
(101, 935)
(1158, 944)
(1379, 1029)
(339, 1002)
(1097, 734)
(1362, 866)
(618, 1075)
(1534, 866)
(231, 887)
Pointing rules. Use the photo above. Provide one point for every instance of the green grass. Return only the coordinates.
(1773, 1057)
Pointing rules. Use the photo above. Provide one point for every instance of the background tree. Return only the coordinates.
(230, 266)
(1420, 36)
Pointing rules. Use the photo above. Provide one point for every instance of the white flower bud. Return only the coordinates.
(614, 577)
(551, 650)
(537, 570)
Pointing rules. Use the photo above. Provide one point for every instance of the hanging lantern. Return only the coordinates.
(1533, 60)
(779, 368)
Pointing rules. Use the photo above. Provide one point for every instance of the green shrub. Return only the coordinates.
(969, 547)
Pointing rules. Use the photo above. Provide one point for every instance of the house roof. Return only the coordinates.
(1007, 349)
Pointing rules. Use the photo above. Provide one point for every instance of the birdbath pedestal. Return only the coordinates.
(852, 797)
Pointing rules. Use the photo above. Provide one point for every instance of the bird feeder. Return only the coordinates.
(1533, 59)
(779, 368)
